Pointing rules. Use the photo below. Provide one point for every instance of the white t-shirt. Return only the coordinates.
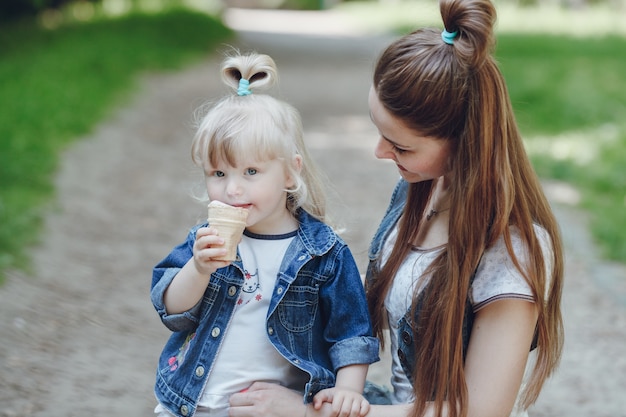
(496, 278)
(246, 354)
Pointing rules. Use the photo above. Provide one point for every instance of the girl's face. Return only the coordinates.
(258, 186)
(418, 158)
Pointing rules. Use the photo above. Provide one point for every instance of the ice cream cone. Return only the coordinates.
(230, 222)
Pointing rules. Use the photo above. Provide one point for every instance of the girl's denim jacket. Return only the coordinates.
(318, 317)
(406, 335)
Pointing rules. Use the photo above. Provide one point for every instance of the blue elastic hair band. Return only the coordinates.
(448, 37)
(244, 89)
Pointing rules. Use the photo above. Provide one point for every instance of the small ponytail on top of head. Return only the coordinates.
(252, 125)
(257, 69)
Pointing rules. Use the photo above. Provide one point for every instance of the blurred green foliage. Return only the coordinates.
(569, 95)
(57, 84)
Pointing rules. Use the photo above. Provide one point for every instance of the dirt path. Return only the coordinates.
(79, 337)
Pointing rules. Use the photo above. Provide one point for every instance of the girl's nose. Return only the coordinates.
(233, 188)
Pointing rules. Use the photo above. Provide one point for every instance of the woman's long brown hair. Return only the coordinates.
(457, 92)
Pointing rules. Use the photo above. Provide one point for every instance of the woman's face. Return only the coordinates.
(418, 157)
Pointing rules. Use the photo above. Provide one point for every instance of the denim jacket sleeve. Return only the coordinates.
(163, 274)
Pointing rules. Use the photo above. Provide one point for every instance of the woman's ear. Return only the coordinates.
(296, 166)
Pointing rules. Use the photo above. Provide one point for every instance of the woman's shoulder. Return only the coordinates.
(517, 242)
(499, 250)
(497, 275)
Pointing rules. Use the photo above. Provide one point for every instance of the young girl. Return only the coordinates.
(291, 309)
(466, 268)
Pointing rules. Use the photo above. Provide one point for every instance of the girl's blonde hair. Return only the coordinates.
(261, 127)
(456, 92)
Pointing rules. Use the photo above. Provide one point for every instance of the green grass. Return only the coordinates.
(569, 95)
(561, 84)
(55, 85)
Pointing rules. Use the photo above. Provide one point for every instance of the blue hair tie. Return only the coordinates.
(243, 89)
(448, 37)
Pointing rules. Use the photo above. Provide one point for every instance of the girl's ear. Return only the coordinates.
(296, 166)
(297, 163)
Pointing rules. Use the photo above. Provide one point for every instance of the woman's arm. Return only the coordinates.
(264, 399)
(497, 354)
(398, 410)
(496, 358)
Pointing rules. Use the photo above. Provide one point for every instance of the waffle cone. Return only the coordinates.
(230, 222)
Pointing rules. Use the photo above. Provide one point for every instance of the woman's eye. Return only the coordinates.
(399, 150)
(251, 171)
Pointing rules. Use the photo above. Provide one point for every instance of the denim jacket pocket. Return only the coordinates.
(298, 308)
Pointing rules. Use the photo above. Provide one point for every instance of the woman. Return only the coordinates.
(466, 268)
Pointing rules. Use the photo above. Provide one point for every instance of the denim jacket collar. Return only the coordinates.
(313, 238)
(317, 237)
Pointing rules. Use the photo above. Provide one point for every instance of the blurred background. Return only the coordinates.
(95, 100)
(564, 61)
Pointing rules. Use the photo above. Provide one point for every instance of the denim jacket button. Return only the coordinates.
(279, 290)
(184, 410)
(270, 330)
(232, 291)
(401, 356)
(406, 337)
(302, 257)
(215, 332)
(200, 371)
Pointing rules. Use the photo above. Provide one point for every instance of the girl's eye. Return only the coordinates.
(218, 174)
(251, 171)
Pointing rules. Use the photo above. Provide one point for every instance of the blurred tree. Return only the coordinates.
(569, 4)
(16, 9)
(10, 9)
(281, 4)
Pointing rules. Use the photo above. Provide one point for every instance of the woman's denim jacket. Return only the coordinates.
(317, 319)
(406, 344)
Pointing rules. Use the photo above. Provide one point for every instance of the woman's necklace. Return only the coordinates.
(439, 197)
(433, 212)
